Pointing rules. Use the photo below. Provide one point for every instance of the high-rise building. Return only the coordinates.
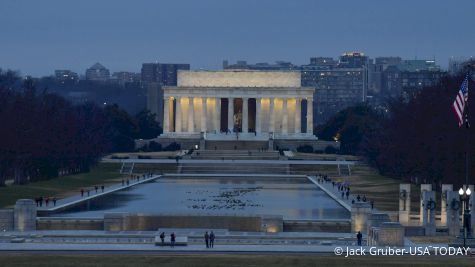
(97, 72)
(353, 60)
(156, 75)
(277, 66)
(66, 76)
(162, 73)
(125, 77)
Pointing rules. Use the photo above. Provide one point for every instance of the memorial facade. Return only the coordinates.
(249, 105)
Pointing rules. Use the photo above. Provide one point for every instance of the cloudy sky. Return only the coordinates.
(38, 37)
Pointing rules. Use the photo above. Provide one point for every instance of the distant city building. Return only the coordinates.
(242, 65)
(457, 65)
(156, 75)
(162, 73)
(408, 77)
(125, 77)
(353, 60)
(66, 76)
(97, 73)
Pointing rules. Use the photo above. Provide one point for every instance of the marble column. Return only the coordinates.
(217, 114)
(191, 115)
(258, 115)
(298, 113)
(203, 114)
(231, 114)
(271, 115)
(285, 117)
(178, 115)
(245, 115)
(310, 115)
(166, 115)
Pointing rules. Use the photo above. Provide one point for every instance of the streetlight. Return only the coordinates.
(465, 199)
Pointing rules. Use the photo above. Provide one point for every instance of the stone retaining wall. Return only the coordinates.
(69, 224)
(143, 222)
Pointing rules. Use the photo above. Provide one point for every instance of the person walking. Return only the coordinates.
(211, 239)
(372, 204)
(359, 237)
(96, 187)
(162, 238)
(207, 239)
(54, 201)
(82, 192)
(102, 188)
(347, 194)
(47, 201)
(172, 240)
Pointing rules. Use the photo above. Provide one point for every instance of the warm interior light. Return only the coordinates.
(461, 191)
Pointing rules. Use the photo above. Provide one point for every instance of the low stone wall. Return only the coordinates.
(148, 222)
(56, 223)
(317, 226)
(6, 220)
(294, 144)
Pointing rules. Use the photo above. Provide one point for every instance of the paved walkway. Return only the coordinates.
(152, 247)
(334, 193)
(238, 161)
(73, 200)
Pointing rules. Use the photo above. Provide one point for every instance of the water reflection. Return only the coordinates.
(292, 198)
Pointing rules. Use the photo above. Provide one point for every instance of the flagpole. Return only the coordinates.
(466, 212)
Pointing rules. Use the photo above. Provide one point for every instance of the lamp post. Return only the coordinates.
(465, 199)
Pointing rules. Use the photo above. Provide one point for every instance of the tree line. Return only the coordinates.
(43, 136)
(416, 140)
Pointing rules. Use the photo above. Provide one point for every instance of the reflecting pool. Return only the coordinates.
(294, 198)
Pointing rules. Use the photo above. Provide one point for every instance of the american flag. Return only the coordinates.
(461, 100)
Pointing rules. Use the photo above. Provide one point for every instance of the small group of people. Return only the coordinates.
(363, 199)
(321, 178)
(172, 239)
(88, 191)
(209, 239)
(40, 200)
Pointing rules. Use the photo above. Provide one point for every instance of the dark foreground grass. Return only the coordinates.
(38, 260)
(103, 173)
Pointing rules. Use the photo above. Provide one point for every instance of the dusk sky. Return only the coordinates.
(38, 37)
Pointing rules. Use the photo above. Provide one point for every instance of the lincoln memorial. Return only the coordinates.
(238, 105)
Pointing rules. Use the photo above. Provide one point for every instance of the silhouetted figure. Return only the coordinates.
(123, 182)
(88, 192)
(364, 198)
(347, 194)
(47, 201)
(372, 204)
(102, 188)
(359, 237)
(162, 238)
(82, 192)
(358, 198)
(54, 201)
(128, 182)
(172, 240)
(207, 239)
(211, 239)
(96, 188)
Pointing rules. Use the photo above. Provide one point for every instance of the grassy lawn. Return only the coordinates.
(20, 259)
(365, 180)
(103, 173)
